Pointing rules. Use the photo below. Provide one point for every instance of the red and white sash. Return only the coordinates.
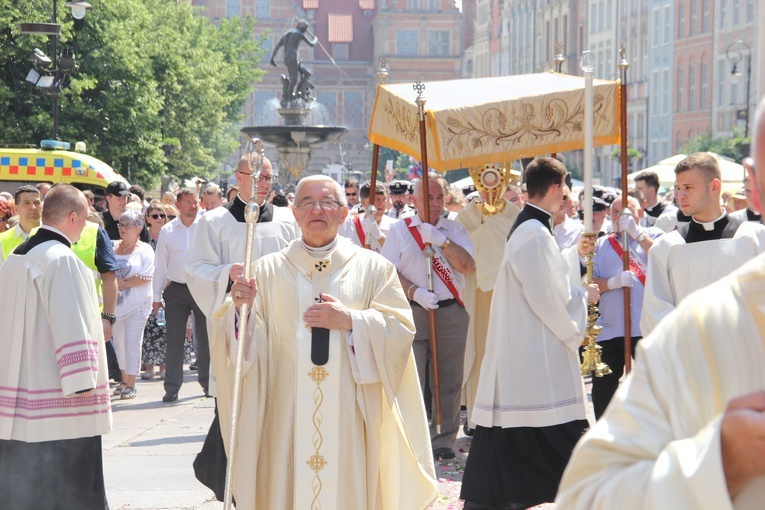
(360, 231)
(635, 265)
(439, 267)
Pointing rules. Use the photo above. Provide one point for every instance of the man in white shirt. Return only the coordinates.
(372, 230)
(169, 265)
(648, 184)
(700, 252)
(565, 229)
(454, 252)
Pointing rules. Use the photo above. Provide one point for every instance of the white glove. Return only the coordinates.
(623, 279)
(370, 226)
(430, 234)
(626, 223)
(427, 300)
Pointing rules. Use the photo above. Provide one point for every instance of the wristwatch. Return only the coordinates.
(446, 243)
(109, 317)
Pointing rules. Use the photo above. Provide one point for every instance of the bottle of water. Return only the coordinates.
(161, 317)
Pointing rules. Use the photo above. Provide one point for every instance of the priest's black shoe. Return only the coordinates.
(467, 430)
(443, 453)
(170, 396)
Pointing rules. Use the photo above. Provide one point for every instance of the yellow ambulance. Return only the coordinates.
(21, 165)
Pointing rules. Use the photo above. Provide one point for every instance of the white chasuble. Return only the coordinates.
(318, 387)
(350, 434)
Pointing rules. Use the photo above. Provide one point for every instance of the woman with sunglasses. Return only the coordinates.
(136, 268)
(154, 334)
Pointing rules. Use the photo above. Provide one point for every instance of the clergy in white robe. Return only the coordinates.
(54, 391)
(660, 443)
(348, 431)
(214, 260)
(700, 252)
(530, 404)
(488, 234)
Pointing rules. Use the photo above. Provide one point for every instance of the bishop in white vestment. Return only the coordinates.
(347, 431)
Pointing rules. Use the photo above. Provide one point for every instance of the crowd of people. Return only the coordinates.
(384, 317)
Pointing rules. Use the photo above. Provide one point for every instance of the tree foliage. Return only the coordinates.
(152, 73)
(734, 148)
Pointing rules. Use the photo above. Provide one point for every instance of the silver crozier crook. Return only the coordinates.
(254, 154)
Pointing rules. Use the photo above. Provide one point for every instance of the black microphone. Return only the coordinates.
(319, 343)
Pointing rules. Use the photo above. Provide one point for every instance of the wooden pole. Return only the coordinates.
(382, 74)
(429, 252)
(623, 65)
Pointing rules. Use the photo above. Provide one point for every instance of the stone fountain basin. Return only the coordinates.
(281, 136)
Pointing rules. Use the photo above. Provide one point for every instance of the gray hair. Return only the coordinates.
(334, 186)
(132, 216)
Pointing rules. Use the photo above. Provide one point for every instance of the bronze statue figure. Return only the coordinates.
(292, 89)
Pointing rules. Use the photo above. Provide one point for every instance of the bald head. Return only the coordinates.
(66, 209)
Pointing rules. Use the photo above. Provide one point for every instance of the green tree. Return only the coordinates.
(151, 73)
(734, 148)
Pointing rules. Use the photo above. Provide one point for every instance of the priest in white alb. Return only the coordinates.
(529, 409)
(711, 245)
(332, 416)
(488, 228)
(686, 428)
(54, 389)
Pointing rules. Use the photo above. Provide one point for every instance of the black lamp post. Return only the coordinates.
(735, 55)
(49, 74)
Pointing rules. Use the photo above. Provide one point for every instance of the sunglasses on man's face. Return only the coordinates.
(351, 194)
(157, 216)
(171, 216)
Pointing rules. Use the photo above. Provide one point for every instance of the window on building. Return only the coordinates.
(681, 21)
(340, 51)
(414, 5)
(329, 101)
(438, 43)
(692, 88)
(267, 45)
(721, 17)
(609, 13)
(640, 126)
(262, 9)
(593, 17)
(680, 89)
(601, 14)
(406, 43)
(655, 94)
(749, 11)
(233, 8)
(721, 79)
(705, 16)
(353, 109)
(735, 13)
(608, 70)
(694, 17)
(665, 149)
(667, 25)
(656, 27)
(733, 92)
(704, 79)
(666, 85)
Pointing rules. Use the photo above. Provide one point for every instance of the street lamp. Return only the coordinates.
(735, 55)
(49, 74)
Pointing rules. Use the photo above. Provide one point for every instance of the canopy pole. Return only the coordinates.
(419, 87)
(623, 66)
(382, 73)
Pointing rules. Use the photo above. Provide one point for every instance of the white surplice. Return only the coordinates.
(488, 235)
(676, 269)
(220, 241)
(350, 434)
(530, 371)
(658, 445)
(52, 346)
(349, 229)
